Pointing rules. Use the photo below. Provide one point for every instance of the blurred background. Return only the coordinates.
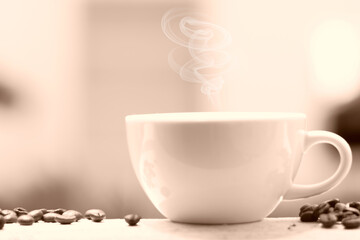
(71, 70)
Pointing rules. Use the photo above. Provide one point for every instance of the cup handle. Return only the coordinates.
(298, 191)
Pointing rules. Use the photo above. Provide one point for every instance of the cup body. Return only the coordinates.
(216, 167)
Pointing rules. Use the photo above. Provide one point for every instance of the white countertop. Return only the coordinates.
(269, 228)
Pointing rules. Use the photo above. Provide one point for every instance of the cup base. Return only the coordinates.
(213, 221)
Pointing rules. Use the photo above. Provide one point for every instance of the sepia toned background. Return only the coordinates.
(71, 70)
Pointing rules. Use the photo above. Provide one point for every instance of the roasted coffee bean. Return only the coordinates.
(333, 202)
(328, 219)
(352, 210)
(9, 216)
(96, 215)
(322, 208)
(354, 205)
(58, 210)
(90, 211)
(132, 219)
(75, 213)
(65, 219)
(49, 217)
(36, 214)
(20, 211)
(351, 222)
(307, 207)
(342, 211)
(2, 221)
(308, 216)
(44, 210)
(347, 214)
(350, 217)
(340, 207)
(25, 219)
(339, 215)
(5, 212)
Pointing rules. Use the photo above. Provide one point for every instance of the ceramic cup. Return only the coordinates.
(225, 167)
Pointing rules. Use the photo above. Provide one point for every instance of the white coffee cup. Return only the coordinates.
(225, 167)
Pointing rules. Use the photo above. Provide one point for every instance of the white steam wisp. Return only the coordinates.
(205, 42)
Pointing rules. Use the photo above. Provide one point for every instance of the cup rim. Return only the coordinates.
(213, 116)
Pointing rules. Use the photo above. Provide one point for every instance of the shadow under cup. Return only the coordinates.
(224, 167)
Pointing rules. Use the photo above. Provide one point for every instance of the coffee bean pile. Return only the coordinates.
(23, 217)
(60, 215)
(331, 212)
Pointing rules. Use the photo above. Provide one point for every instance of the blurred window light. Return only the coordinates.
(335, 58)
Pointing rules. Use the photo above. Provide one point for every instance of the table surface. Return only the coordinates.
(269, 228)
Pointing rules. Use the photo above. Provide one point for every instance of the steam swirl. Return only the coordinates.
(204, 42)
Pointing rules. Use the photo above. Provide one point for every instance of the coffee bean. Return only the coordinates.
(36, 214)
(354, 205)
(339, 215)
(132, 219)
(333, 202)
(307, 207)
(322, 208)
(90, 211)
(58, 210)
(75, 213)
(25, 219)
(350, 223)
(352, 216)
(340, 207)
(352, 210)
(9, 216)
(44, 210)
(96, 215)
(308, 216)
(328, 219)
(49, 217)
(65, 219)
(20, 211)
(2, 221)
(347, 215)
